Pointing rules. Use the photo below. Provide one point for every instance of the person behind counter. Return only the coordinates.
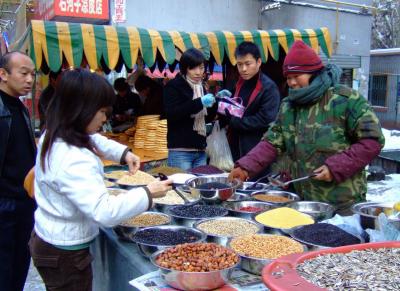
(188, 109)
(260, 96)
(325, 128)
(72, 198)
(152, 93)
(126, 104)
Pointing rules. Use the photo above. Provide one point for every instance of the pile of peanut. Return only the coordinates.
(197, 257)
(265, 246)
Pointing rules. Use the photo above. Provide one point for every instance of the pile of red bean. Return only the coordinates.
(250, 209)
(197, 257)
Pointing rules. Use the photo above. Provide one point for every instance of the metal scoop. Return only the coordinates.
(281, 184)
(252, 186)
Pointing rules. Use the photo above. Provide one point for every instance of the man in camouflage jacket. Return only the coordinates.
(324, 128)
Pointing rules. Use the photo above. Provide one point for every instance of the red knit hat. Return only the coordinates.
(301, 59)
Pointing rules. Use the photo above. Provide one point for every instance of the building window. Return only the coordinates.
(377, 90)
(347, 77)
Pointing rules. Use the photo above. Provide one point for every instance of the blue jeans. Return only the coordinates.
(186, 160)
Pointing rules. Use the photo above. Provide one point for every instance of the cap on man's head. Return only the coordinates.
(301, 59)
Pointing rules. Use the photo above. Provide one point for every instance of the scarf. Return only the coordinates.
(328, 77)
(199, 121)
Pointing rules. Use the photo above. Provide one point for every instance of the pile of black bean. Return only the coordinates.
(198, 211)
(212, 186)
(165, 237)
(325, 234)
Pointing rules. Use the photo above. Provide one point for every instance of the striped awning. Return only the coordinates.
(104, 45)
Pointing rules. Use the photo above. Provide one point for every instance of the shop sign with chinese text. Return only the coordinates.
(73, 9)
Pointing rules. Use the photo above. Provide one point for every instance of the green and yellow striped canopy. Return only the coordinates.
(104, 45)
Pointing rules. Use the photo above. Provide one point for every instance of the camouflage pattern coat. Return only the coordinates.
(311, 133)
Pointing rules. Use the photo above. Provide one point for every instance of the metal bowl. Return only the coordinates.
(220, 239)
(234, 198)
(255, 265)
(189, 221)
(125, 232)
(312, 246)
(233, 208)
(238, 197)
(148, 249)
(289, 195)
(317, 210)
(223, 194)
(259, 187)
(194, 281)
(369, 212)
(162, 207)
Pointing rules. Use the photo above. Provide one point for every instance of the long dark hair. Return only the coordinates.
(77, 98)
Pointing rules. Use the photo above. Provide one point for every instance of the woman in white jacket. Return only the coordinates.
(70, 193)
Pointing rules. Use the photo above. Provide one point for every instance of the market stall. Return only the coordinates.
(54, 44)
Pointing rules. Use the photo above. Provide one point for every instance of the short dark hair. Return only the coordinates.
(54, 75)
(190, 59)
(5, 60)
(247, 47)
(77, 98)
(142, 82)
(120, 84)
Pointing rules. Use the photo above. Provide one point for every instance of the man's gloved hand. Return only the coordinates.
(238, 173)
(224, 93)
(208, 100)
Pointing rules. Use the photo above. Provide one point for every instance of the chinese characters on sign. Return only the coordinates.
(119, 11)
(82, 8)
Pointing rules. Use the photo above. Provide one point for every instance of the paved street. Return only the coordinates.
(34, 282)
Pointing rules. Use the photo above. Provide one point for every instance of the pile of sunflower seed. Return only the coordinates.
(370, 269)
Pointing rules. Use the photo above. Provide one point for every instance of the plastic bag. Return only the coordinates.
(218, 149)
(386, 232)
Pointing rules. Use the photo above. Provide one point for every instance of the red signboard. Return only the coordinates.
(71, 9)
(82, 8)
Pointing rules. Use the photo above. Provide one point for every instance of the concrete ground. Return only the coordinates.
(34, 281)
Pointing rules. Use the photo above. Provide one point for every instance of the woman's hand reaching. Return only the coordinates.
(159, 189)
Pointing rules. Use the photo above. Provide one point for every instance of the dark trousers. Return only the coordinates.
(16, 223)
(62, 270)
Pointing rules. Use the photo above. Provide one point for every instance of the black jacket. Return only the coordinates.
(5, 132)
(179, 106)
(262, 109)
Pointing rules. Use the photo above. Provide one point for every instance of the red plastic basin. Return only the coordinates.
(281, 274)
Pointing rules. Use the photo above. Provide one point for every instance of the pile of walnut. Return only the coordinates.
(197, 257)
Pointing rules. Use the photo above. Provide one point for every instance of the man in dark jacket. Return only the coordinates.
(17, 157)
(260, 96)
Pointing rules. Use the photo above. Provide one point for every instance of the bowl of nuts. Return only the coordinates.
(127, 228)
(196, 266)
(258, 250)
(220, 230)
(152, 239)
